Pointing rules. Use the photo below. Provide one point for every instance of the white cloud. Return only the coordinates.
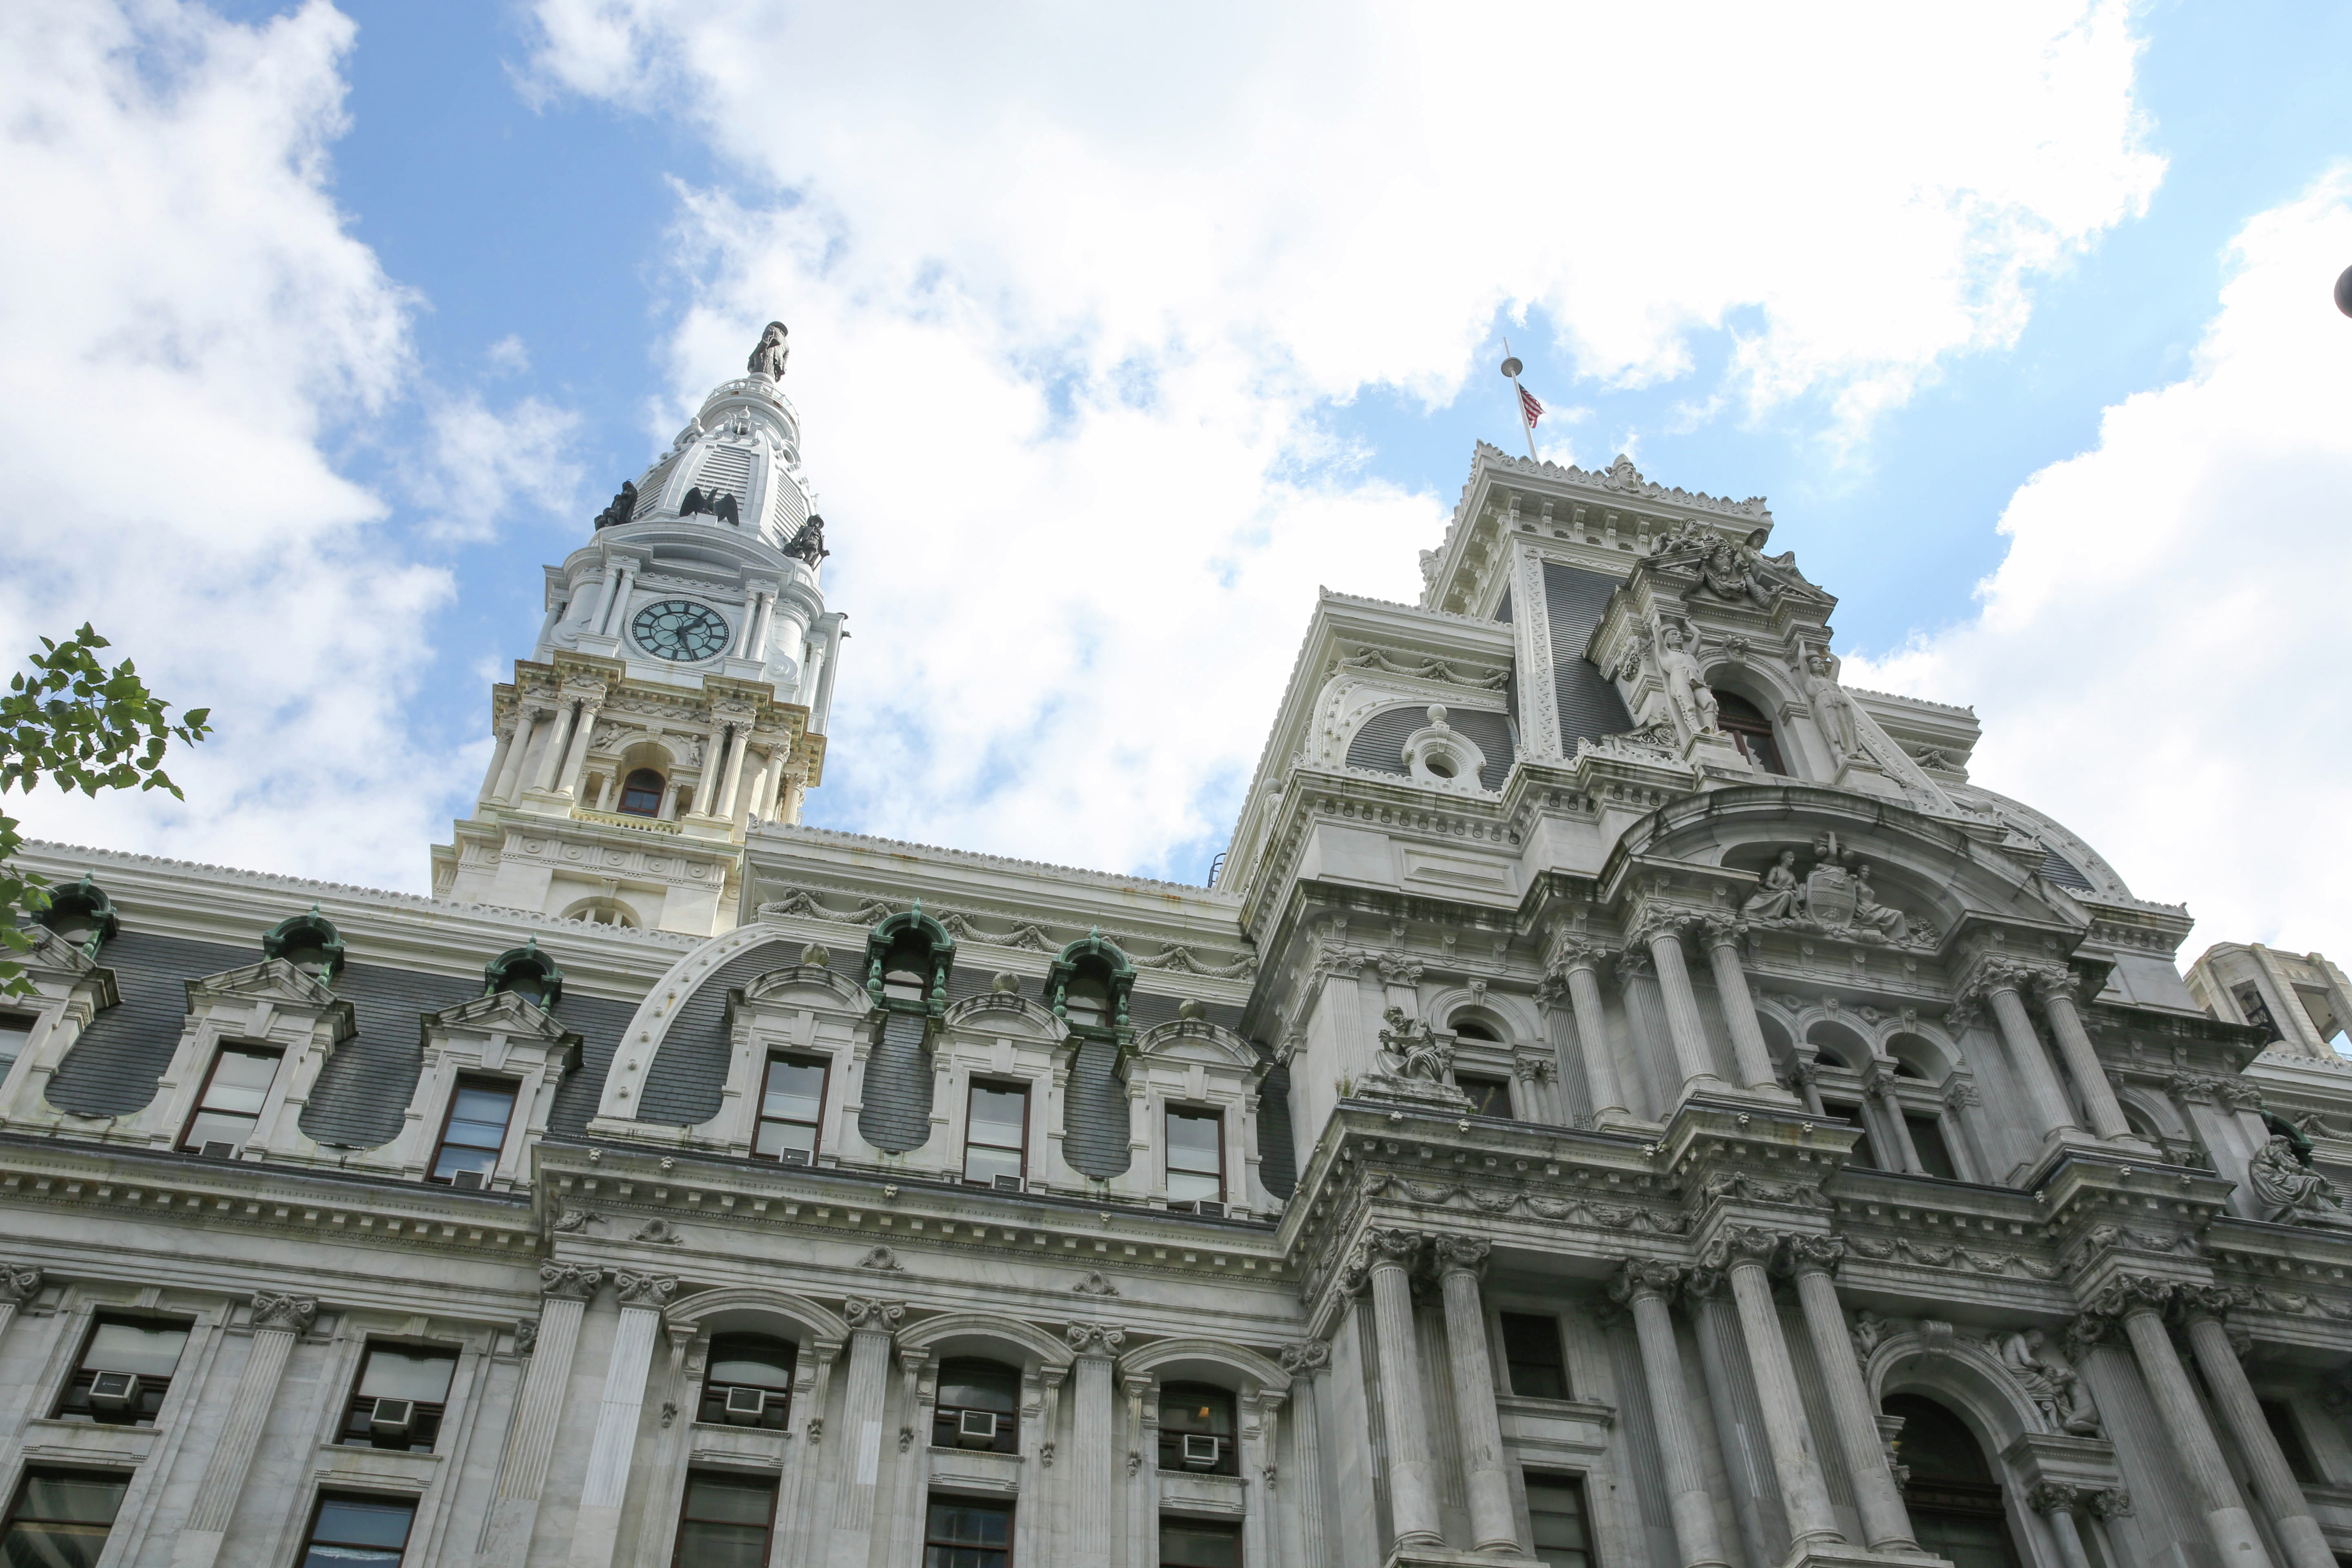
(2159, 662)
(1066, 285)
(481, 464)
(186, 321)
(509, 356)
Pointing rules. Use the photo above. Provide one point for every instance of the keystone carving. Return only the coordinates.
(18, 1284)
(291, 1313)
(568, 1281)
(1305, 1357)
(644, 1289)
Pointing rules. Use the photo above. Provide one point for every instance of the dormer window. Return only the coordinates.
(309, 942)
(906, 961)
(1087, 999)
(81, 913)
(524, 972)
(229, 1108)
(641, 794)
(474, 1133)
(902, 977)
(1750, 731)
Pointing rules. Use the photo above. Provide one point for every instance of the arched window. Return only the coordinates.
(1196, 1429)
(1087, 998)
(979, 1406)
(748, 1381)
(602, 913)
(1472, 1030)
(641, 794)
(525, 972)
(1954, 1499)
(1750, 730)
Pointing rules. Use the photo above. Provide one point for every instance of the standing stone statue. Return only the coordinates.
(1832, 709)
(1686, 684)
(769, 358)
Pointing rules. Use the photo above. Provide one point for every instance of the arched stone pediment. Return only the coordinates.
(1180, 1037)
(806, 982)
(754, 1308)
(1003, 1011)
(986, 1332)
(1211, 1360)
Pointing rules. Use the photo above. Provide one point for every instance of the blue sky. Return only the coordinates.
(1038, 321)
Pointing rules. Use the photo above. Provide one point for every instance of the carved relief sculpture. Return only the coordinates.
(2289, 1191)
(2055, 1389)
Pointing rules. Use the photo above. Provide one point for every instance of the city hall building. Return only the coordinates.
(1629, 1100)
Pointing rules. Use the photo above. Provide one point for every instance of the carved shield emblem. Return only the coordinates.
(1829, 896)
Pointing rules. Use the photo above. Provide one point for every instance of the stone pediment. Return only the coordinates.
(778, 984)
(279, 983)
(1197, 1039)
(999, 1010)
(53, 957)
(508, 1013)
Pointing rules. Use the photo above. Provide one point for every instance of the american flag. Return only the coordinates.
(1529, 409)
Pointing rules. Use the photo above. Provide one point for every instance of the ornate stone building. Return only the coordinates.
(1630, 1100)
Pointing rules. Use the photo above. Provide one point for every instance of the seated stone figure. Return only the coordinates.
(2288, 1193)
(1780, 895)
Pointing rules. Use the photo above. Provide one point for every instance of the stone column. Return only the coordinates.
(596, 1528)
(1306, 1362)
(584, 729)
(551, 752)
(2057, 990)
(871, 1323)
(1748, 1047)
(2062, 1502)
(616, 600)
(278, 1322)
(1579, 966)
(682, 1390)
(1885, 1524)
(736, 747)
(2298, 1533)
(759, 648)
(1412, 1480)
(800, 1534)
(18, 1285)
(714, 752)
(1143, 1471)
(1879, 1084)
(510, 775)
(2140, 1301)
(565, 1289)
(1094, 1447)
(918, 1396)
(1744, 1253)
(1692, 1057)
(505, 738)
(2000, 981)
(1494, 1525)
(1643, 1286)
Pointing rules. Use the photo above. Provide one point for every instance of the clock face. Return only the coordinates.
(680, 629)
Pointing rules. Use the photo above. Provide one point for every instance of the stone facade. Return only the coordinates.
(1631, 1099)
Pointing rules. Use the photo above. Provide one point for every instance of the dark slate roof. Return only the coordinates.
(362, 1097)
(896, 1111)
(684, 1086)
(113, 1067)
(1379, 745)
(1589, 707)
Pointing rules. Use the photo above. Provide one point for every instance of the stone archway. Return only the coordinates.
(1954, 1493)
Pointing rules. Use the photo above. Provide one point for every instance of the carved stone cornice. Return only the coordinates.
(1096, 1341)
(287, 1313)
(568, 1281)
(18, 1283)
(1460, 1254)
(1639, 1276)
(872, 1314)
(644, 1289)
(1305, 1357)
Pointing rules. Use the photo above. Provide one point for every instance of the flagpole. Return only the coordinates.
(1511, 367)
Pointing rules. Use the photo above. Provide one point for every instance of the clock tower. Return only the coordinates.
(678, 691)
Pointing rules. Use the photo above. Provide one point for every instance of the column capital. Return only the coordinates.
(1722, 930)
(18, 1282)
(1663, 925)
(2212, 1301)
(1303, 1358)
(1879, 1080)
(1095, 1342)
(1703, 1282)
(2108, 1501)
(1461, 1254)
(1390, 1246)
(1570, 953)
(1632, 966)
(1738, 1244)
(1992, 972)
(2058, 1497)
(568, 1281)
(652, 1290)
(288, 1312)
(2126, 1294)
(1639, 1276)
(1816, 1254)
(872, 1314)
(1396, 970)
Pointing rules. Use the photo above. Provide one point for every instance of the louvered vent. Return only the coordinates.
(2061, 871)
(727, 468)
(649, 489)
(787, 510)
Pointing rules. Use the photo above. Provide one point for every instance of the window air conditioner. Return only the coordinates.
(114, 1390)
(793, 1156)
(1200, 1452)
(392, 1417)
(218, 1150)
(1010, 1185)
(466, 1180)
(746, 1405)
(975, 1428)
(1209, 1206)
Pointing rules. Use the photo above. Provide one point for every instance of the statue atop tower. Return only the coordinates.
(768, 358)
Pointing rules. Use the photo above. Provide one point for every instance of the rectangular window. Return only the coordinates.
(1556, 1515)
(61, 1518)
(960, 1532)
(475, 1131)
(1935, 1154)
(2281, 1421)
(357, 1533)
(229, 1108)
(996, 1133)
(1199, 1544)
(124, 1372)
(1196, 1155)
(16, 1034)
(725, 1521)
(1864, 1157)
(1531, 1347)
(791, 1102)
(399, 1399)
(1488, 1096)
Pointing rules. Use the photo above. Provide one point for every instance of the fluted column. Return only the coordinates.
(1094, 1448)
(1413, 1481)
(800, 1534)
(1579, 967)
(615, 609)
(557, 747)
(682, 1391)
(1748, 1048)
(1744, 1253)
(526, 722)
(2298, 1533)
(1885, 1524)
(2000, 981)
(2056, 987)
(1879, 1084)
(871, 1325)
(565, 1289)
(1461, 1260)
(1642, 1286)
(734, 780)
(714, 752)
(277, 1322)
(596, 1528)
(1306, 1362)
(576, 756)
(2140, 1301)
(18, 1285)
(504, 737)
(1142, 1467)
(917, 1398)
(1692, 1057)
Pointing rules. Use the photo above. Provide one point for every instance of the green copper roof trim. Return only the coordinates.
(494, 972)
(319, 931)
(1094, 945)
(89, 900)
(910, 928)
